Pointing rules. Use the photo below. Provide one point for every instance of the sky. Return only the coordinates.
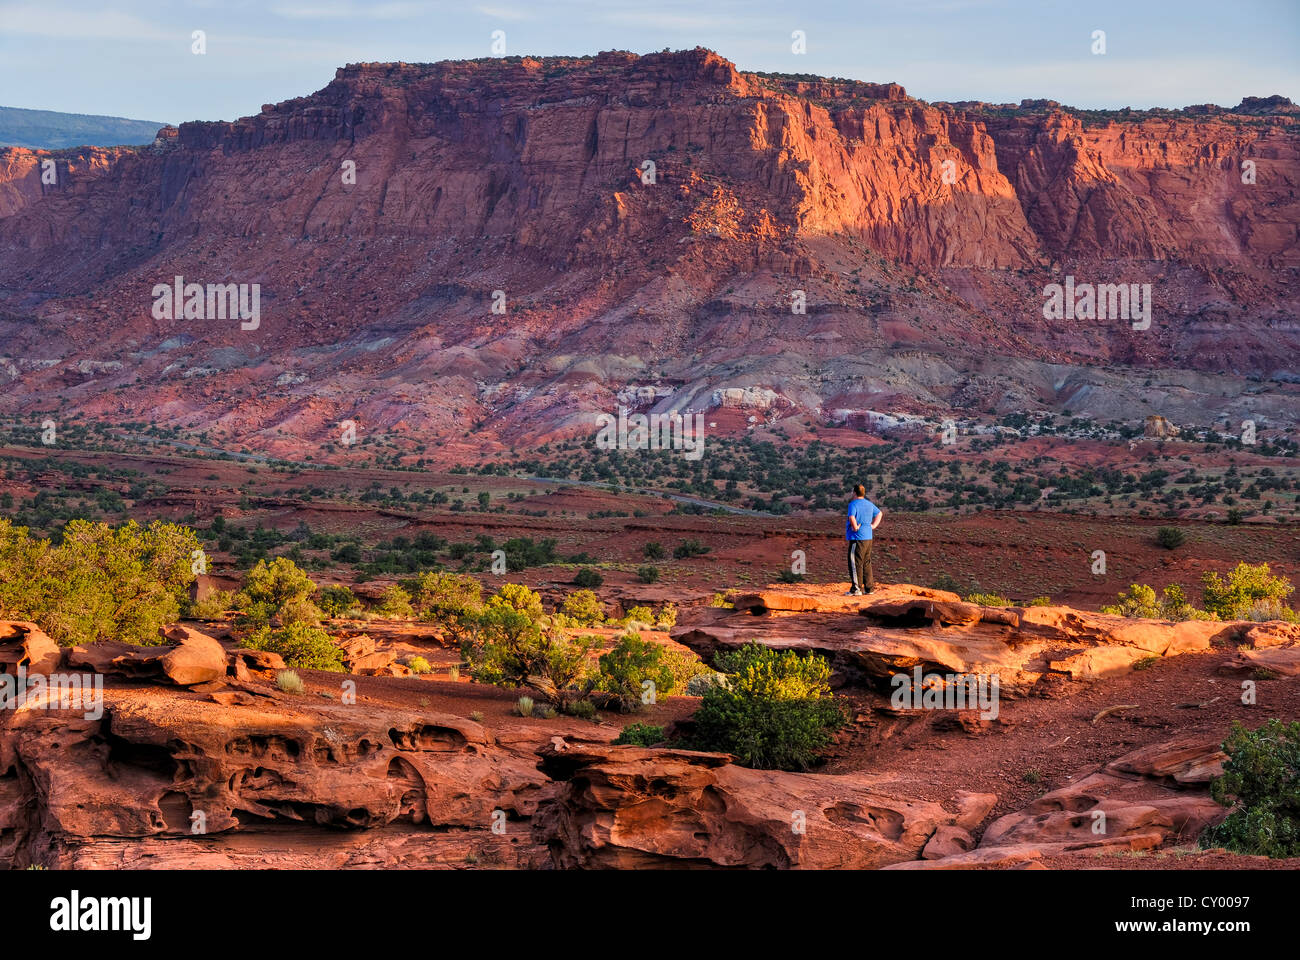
(135, 59)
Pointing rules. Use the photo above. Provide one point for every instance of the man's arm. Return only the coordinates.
(880, 515)
(853, 522)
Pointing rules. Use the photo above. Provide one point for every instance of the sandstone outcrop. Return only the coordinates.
(169, 778)
(901, 627)
(234, 773)
(193, 658)
(651, 808)
(1155, 795)
(1267, 649)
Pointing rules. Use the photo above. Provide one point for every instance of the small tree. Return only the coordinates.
(1170, 537)
(625, 669)
(301, 645)
(335, 600)
(1261, 782)
(1247, 585)
(99, 582)
(775, 712)
(518, 597)
(271, 588)
(452, 601)
(395, 603)
(584, 607)
(510, 647)
(588, 577)
(1140, 602)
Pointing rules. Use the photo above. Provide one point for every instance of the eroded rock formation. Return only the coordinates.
(901, 627)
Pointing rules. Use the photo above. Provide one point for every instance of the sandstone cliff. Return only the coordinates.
(921, 235)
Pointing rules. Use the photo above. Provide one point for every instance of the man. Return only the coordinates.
(864, 516)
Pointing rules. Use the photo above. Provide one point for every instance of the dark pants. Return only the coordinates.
(860, 565)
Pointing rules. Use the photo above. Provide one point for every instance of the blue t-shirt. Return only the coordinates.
(864, 511)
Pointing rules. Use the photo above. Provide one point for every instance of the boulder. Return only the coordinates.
(242, 663)
(196, 659)
(639, 808)
(24, 644)
(122, 659)
(356, 647)
(972, 808)
(1187, 760)
(947, 841)
(1281, 661)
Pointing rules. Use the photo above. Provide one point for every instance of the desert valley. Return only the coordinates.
(313, 555)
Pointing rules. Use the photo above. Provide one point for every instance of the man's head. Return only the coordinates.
(859, 490)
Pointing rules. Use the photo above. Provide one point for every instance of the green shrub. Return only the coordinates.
(335, 600)
(394, 603)
(588, 577)
(299, 611)
(653, 551)
(639, 615)
(99, 582)
(289, 681)
(684, 665)
(582, 709)
(945, 581)
(515, 596)
(524, 552)
(988, 599)
(1233, 598)
(640, 735)
(451, 601)
(1170, 538)
(272, 589)
(690, 548)
(625, 668)
(212, 607)
(647, 574)
(584, 607)
(1140, 601)
(776, 712)
(419, 665)
(508, 647)
(301, 645)
(1261, 782)
(666, 619)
